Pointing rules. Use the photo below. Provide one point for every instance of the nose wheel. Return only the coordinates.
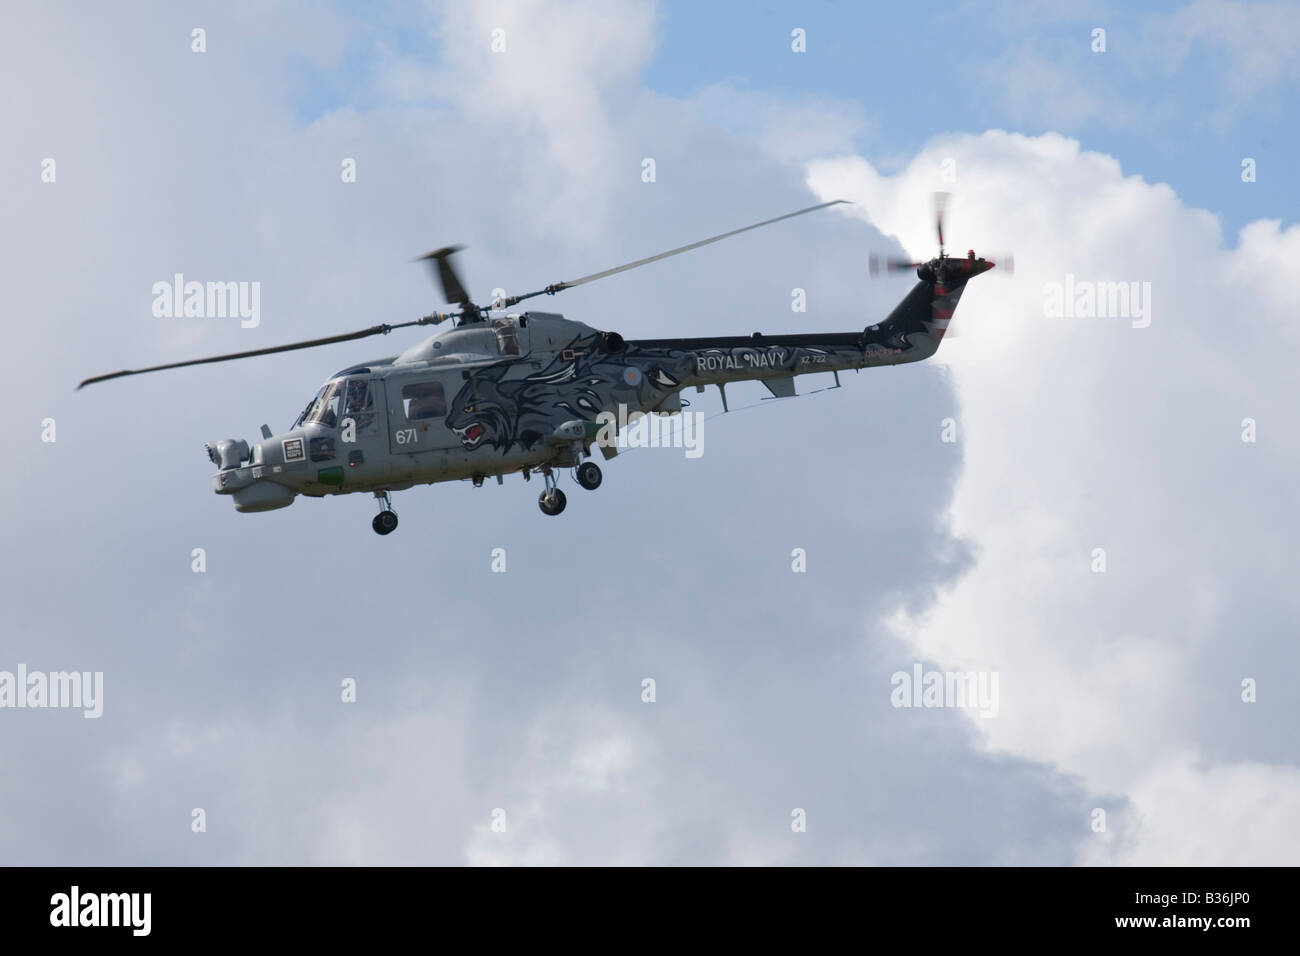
(551, 500)
(386, 521)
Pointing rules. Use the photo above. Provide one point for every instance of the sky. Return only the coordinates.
(1094, 508)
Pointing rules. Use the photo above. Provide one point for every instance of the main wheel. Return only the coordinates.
(385, 522)
(589, 475)
(551, 503)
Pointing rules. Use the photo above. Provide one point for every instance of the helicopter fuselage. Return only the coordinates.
(529, 392)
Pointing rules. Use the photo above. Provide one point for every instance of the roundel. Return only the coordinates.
(632, 375)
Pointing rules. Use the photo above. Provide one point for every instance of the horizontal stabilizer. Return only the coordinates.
(780, 387)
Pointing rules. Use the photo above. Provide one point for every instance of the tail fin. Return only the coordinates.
(943, 304)
(913, 331)
(923, 317)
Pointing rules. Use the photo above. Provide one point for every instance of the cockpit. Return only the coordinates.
(337, 400)
(323, 409)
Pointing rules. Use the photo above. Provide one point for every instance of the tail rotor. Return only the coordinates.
(947, 275)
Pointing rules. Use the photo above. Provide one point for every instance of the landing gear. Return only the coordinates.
(386, 521)
(589, 475)
(551, 500)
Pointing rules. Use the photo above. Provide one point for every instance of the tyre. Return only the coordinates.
(552, 503)
(589, 475)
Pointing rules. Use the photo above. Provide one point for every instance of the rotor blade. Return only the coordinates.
(560, 286)
(940, 203)
(312, 343)
(874, 263)
(900, 265)
(1005, 262)
(453, 290)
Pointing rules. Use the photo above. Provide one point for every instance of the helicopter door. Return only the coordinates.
(361, 432)
(417, 416)
(359, 407)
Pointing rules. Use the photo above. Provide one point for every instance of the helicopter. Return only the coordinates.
(500, 392)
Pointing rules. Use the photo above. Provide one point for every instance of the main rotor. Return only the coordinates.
(454, 292)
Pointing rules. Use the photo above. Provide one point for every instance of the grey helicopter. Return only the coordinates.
(500, 392)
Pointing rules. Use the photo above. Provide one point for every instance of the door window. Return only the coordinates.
(423, 400)
(359, 404)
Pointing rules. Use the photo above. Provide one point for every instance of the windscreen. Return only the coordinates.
(324, 408)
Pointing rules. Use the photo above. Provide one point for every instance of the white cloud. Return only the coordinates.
(547, 96)
(1086, 433)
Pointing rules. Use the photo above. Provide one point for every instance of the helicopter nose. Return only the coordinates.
(227, 453)
(263, 496)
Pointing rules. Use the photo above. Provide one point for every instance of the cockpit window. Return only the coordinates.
(302, 416)
(324, 409)
(423, 400)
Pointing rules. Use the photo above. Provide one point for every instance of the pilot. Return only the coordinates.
(356, 398)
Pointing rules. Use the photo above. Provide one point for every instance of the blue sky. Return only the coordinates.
(919, 72)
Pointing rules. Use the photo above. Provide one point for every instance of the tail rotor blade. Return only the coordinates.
(940, 204)
(1004, 263)
(875, 264)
